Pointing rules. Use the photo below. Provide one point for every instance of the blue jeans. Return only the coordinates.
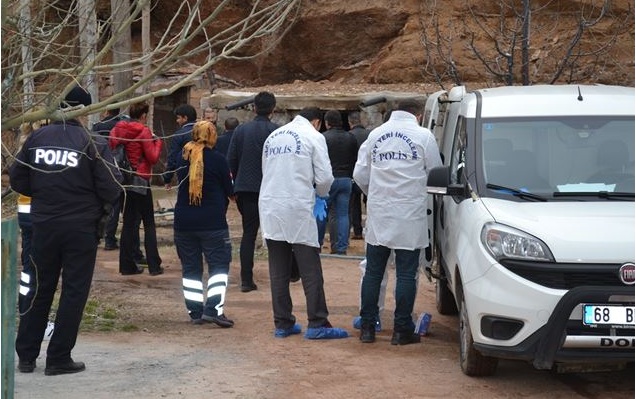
(339, 195)
(406, 266)
(192, 247)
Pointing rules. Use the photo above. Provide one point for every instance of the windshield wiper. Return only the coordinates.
(517, 192)
(597, 194)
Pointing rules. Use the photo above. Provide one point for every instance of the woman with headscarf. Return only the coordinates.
(200, 226)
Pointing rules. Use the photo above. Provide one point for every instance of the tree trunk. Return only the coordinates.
(88, 45)
(28, 87)
(145, 45)
(525, 46)
(122, 75)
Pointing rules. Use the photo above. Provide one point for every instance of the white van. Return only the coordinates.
(534, 224)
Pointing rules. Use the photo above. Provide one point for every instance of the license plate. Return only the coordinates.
(608, 315)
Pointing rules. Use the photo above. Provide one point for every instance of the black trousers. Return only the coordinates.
(135, 206)
(111, 226)
(280, 271)
(57, 250)
(110, 231)
(247, 204)
(355, 209)
(27, 275)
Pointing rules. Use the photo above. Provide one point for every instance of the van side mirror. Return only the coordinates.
(438, 182)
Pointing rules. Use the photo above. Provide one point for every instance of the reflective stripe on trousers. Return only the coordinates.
(25, 283)
(217, 285)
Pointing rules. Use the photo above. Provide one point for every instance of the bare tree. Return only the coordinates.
(48, 47)
(57, 62)
(439, 61)
(504, 39)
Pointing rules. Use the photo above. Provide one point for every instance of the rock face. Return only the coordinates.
(403, 41)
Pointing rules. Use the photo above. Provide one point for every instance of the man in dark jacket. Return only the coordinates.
(244, 157)
(357, 196)
(103, 128)
(343, 153)
(223, 142)
(186, 118)
(70, 177)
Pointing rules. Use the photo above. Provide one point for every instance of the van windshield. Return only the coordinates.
(574, 155)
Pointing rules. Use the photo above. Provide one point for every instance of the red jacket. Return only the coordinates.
(142, 148)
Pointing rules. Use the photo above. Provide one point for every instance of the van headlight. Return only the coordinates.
(506, 242)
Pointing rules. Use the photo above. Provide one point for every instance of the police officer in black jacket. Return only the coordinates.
(70, 177)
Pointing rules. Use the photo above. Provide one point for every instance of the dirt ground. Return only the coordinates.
(167, 357)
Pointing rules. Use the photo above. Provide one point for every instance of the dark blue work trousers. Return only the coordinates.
(192, 247)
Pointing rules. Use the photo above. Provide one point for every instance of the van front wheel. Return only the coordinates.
(472, 362)
(444, 299)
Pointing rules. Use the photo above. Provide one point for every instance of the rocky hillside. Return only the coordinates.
(442, 42)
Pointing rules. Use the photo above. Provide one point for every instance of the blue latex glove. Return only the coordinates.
(320, 208)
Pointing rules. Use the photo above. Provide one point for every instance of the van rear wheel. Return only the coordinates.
(472, 362)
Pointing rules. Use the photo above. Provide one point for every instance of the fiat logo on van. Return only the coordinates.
(626, 273)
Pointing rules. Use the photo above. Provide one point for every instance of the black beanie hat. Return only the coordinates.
(75, 97)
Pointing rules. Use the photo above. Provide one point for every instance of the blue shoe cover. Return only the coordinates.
(357, 324)
(286, 332)
(326, 333)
